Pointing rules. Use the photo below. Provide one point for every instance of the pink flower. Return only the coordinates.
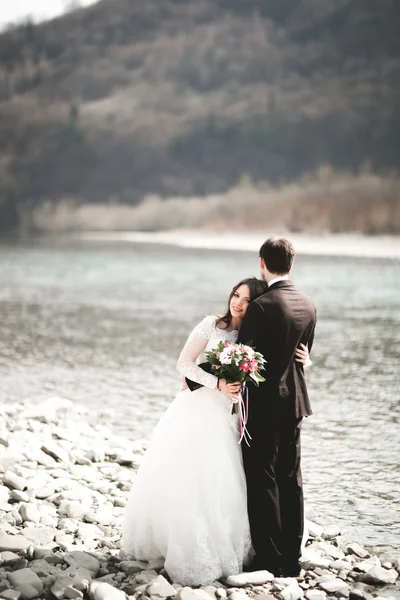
(245, 366)
(253, 366)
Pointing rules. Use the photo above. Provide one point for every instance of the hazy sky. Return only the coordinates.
(15, 10)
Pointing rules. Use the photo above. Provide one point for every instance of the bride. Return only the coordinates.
(188, 502)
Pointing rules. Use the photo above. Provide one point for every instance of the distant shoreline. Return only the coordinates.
(345, 245)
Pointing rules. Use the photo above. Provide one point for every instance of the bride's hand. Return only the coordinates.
(229, 388)
(302, 355)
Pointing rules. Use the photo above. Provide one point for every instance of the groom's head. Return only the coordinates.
(276, 258)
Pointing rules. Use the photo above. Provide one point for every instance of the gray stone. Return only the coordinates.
(73, 593)
(326, 577)
(40, 535)
(331, 532)
(4, 493)
(156, 565)
(76, 571)
(240, 595)
(210, 590)
(41, 552)
(314, 529)
(221, 593)
(14, 481)
(160, 588)
(65, 542)
(81, 582)
(105, 591)
(333, 586)
(44, 492)
(25, 577)
(85, 560)
(341, 564)
(56, 451)
(330, 550)
(58, 588)
(18, 496)
(252, 578)
(68, 525)
(356, 594)
(187, 593)
(130, 567)
(14, 543)
(366, 565)
(292, 592)
(9, 558)
(315, 595)
(146, 576)
(55, 558)
(28, 592)
(357, 550)
(380, 576)
(10, 595)
(312, 559)
(75, 510)
(29, 512)
(42, 568)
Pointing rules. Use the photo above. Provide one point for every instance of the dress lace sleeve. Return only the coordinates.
(196, 343)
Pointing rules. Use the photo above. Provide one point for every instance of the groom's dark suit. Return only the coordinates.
(275, 324)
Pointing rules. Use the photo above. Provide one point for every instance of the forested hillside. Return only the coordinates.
(184, 97)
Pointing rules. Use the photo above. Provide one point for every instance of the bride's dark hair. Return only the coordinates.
(257, 288)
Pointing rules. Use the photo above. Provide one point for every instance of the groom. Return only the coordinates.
(275, 324)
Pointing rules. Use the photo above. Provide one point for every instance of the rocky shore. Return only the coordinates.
(64, 486)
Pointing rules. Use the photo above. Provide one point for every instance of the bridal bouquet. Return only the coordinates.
(236, 362)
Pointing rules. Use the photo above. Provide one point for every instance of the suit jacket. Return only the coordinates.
(275, 324)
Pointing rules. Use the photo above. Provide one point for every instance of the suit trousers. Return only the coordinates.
(274, 484)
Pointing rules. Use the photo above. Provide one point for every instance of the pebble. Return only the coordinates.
(292, 592)
(187, 593)
(9, 558)
(61, 512)
(333, 585)
(314, 529)
(366, 565)
(252, 578)
(14, 543)
(10, 594)
(380, 576)
(18, 496)
(55, 451)
(14, 481)
(105, 591)
(29, 512)
(160, 588)
(130, 567)
(25, 577)
(357, 550)
(315, 595)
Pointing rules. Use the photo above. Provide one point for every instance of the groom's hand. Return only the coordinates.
(229, 388)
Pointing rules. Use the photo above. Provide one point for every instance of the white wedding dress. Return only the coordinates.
(188, 501)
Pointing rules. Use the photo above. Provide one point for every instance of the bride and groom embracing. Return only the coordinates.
(209, 506)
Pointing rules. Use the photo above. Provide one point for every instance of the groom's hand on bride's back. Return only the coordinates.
(229, 388)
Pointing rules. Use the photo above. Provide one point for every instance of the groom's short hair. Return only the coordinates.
(278, 255)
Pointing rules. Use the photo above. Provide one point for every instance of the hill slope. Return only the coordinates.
(184, 96)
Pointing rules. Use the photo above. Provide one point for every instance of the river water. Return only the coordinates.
(103, 323)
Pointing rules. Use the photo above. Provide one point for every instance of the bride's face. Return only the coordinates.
(239, 302)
